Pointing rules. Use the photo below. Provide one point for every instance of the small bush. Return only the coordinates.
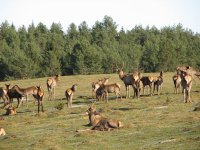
(60, 106)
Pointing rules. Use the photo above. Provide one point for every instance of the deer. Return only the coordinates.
(137, 84)
(51, 84)
(96, 85)
(147, 81)
(157, 85)
(10, 110)
(2, 132)
(12, 93)
(4, 95)
(127, 79)
(177, 83)
(186, 83)
(110, 88)
(101, 123)
(39, 97)
(26, 91)
(189, 70)
(69, 95)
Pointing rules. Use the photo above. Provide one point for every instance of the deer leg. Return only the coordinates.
(126, 91)
(184, 94)
(106, 97)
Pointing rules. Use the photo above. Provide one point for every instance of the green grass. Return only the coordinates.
(156, 122)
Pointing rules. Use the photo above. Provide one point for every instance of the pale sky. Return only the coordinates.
(126, 13)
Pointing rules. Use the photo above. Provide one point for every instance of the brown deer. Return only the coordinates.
(96, 85)
(4, 95)
(51, 84)
(12, 93)
(158, 81)
(100, 123)
(137, 84)
(69, 95)
(127, 79)
(39, 97)
(189, 70)
(26, 91)
(147, 81)
(186, 83)
(177, 83)
(111, 88)
(2, 132)
(11, 110)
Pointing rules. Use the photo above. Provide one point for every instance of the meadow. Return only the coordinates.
(150, 122)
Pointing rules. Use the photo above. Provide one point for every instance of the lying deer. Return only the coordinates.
(158, 81)
(11, 111)
(69, 95)
(177, 83)
(100, 123)
(2, 132)
(147, 81)
(51, 84)
(127, 79)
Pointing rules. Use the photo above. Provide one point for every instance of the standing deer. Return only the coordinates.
(69, 95)
(12, 93)
(96, 85)
(137, 84)
(26, 91)
(39, 97)
(186, 83)
(4, 95)
(158, 81)
(177, 83)
(127, 79)
(110, 88)
(51, 84)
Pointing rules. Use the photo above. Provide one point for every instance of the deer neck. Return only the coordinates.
(19, 90)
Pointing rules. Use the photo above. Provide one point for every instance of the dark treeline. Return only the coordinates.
(37, 51)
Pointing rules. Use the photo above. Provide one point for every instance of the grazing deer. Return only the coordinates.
(51, 84)
(100, 123)
(2, 132)
(158, 81)
(127, 79)
(111, 88)
(177, 83)
(96, 85)
(26, 91)
(39, 97)
(12, 93)
(69, 95)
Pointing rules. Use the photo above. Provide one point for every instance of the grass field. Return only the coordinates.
(156, 122)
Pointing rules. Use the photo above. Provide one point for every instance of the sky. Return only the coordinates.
(126, 13)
